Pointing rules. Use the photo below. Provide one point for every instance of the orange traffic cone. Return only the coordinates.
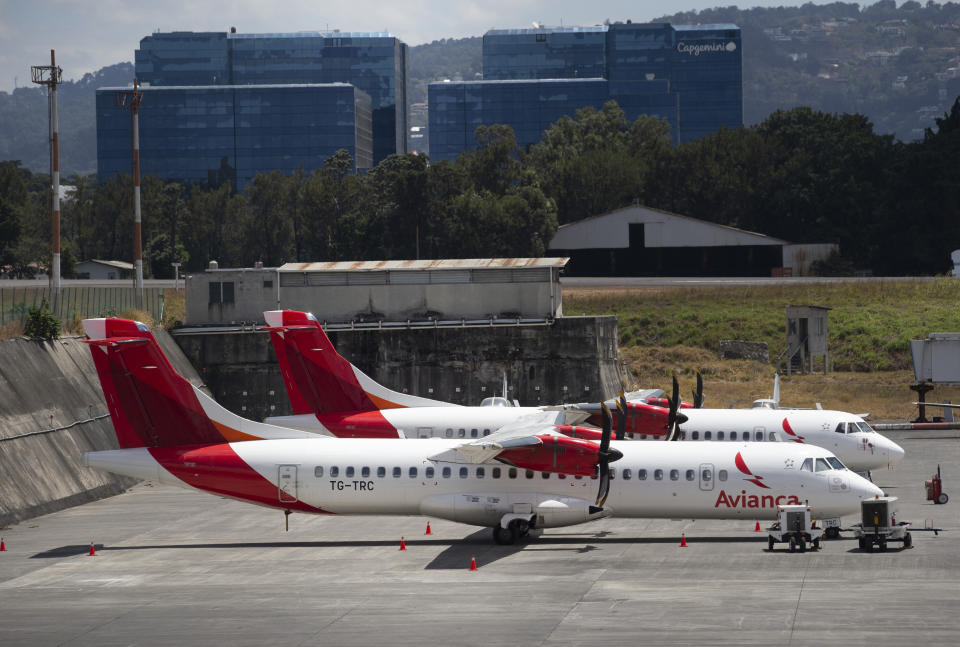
(757, 529)
(683, 540)
(473, 563)
(3, 546)
(428, 529)
(92, 553)
(403, 544)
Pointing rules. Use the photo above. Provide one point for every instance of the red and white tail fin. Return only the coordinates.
(152, 405)
(318, 379)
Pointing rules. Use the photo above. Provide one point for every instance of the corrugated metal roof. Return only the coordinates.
(442, 264)
(123, 265)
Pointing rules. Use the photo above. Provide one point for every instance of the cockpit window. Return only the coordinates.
(841, 428)
(835, 463)
(822, 465)
(864, 427)
(807, 465)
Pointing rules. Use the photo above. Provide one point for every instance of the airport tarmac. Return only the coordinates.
(180, 567)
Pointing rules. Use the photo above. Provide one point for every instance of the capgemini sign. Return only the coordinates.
(697, 48)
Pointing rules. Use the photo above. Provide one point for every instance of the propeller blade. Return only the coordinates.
(607, 424)
(622, 412)
(673, 419)
(605, 456)
(698, 394)
(604, 484)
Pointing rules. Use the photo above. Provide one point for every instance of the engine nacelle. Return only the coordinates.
(558, 454)
(544, 511)
(586, 433)
(642, 418)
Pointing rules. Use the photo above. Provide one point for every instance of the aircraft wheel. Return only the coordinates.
(770, 543)
(793, 545)
(505, 536)
(942, 498)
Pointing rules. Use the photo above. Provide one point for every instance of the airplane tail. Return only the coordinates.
(152, 405)
(318, 379)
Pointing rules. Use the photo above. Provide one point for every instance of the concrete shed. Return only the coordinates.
(640, 241)
(381, 291)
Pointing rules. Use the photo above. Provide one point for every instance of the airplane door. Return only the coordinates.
(424, 432)
(287, 483)
(706, 476)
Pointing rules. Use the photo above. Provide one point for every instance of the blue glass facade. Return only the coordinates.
(213, 133)
(375, 63)
(689, 75)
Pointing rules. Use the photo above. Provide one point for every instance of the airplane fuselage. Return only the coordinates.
(362, 476)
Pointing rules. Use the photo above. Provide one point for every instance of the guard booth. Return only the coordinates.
(806, 338)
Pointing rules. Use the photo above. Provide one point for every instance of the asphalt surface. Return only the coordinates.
(180, 567)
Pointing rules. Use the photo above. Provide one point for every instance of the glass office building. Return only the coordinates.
(215, 133)
(689, 75)
(374, 63)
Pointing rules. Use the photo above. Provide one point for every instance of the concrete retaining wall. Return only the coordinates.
(51, 412)
(573, 360)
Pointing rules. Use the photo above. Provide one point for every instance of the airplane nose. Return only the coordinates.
(864, 488)
(894, 451)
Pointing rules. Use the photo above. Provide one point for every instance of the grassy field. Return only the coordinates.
(870, 326)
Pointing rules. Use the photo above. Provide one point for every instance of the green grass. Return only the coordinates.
(870, 323)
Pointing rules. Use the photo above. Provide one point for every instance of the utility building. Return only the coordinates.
(429, 293)
(640, 241)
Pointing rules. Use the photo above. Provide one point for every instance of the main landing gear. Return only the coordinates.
(516, 529)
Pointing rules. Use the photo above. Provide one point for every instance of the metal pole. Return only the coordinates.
(55, 187)
(137, 245)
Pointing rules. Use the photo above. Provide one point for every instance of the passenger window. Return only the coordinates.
(807, 465)
(381, 472)
(691, 474)
(396, 472)
(545, 475)
(480, 472)
(822, 465)
(486, 432)
(658, 475)
(733, 435)
(674, 475)
(365, 472)
(462, 433)
(529, 474)
(758, 435)
(706, 475)
(627, 473)
(449, 432)
(719, 435)
(708, 435)
(512, 472)
(722, 475)
(334, 471)
(463, 472)
(349, 473)
(413, 472)
(428, 472)
(641, 475)
(561, 476)
(318, 471)
(683, 435)
(495, 473)
(773, 436)
(577, 477)
(746, 436)
(474, 433)
(695, 435)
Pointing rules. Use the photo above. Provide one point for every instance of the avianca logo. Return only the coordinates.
(744, 500)
(742, 466)
(790, 432)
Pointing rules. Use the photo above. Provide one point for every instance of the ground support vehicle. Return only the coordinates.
(794, 527)
(878, 525)
(934, 488)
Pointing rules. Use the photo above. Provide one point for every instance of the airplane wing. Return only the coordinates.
(525, 431)
(945, 405)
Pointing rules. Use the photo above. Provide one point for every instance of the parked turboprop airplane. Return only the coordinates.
(526, 475)
(331, 395)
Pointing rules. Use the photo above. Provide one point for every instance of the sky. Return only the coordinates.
(90, 34)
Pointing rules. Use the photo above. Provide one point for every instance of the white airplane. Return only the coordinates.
(331, 395)
(525, 476)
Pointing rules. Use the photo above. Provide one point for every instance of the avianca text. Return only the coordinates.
(744, 500)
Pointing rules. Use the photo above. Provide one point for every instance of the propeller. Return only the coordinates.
(675, 418)
(698, 394)
(605, 456)
(622, 412)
